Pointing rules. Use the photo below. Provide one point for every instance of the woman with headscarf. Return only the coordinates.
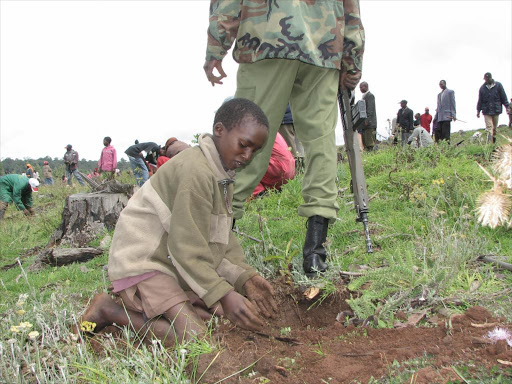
(29, 171)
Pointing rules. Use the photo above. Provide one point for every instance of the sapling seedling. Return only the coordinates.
(284, 260)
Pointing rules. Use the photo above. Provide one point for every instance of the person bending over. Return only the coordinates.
(17, 189)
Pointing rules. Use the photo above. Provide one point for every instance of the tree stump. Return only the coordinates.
(85, 215)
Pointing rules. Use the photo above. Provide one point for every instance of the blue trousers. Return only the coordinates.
(140, 171)
(69, 175)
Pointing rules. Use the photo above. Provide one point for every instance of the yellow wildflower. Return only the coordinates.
(25, 325)
(20, 312)
(33, 335)
(20, 304)
(14, 329)
(87, 326)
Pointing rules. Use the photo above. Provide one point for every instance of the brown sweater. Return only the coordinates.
(179, 223)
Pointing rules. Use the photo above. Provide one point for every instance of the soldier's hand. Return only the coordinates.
(31, 211)
(209, 66)
(478, 114)
(349, 80)
(26, 212)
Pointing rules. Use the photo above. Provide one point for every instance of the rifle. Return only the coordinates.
(358, 182)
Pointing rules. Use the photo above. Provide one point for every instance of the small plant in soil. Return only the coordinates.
(318, 349)
(285, 259)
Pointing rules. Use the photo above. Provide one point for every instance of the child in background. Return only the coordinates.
(174, 258)
(107, 163)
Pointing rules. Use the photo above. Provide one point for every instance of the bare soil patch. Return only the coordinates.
(306, 344)
(317, 347)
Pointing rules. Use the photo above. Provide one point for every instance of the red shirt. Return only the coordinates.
(425, 121)
(161, 161)
(281, 167)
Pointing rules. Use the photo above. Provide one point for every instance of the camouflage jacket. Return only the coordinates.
(325, 33)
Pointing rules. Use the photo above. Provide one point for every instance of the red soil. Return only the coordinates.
(327, 350)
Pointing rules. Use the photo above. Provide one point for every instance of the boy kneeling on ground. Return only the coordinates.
(174, 258)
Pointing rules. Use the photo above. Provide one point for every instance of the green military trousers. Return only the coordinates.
(312, 93)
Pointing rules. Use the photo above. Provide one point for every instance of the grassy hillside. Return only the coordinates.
(423, 226)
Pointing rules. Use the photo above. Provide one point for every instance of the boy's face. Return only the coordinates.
(236, 147)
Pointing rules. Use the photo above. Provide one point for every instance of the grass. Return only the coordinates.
(422, 221)
(423, 226)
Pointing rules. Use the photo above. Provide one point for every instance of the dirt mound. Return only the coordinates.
(306, 344)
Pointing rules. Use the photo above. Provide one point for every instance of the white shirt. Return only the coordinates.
(423, 137)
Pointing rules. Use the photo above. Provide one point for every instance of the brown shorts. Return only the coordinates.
(155, 296)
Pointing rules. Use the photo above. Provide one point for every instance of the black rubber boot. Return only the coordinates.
(314, 251)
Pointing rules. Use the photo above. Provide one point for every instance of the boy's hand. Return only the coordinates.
(241, 311)
(261, 293)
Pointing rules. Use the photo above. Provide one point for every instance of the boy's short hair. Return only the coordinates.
(108, 139)
(234, 110)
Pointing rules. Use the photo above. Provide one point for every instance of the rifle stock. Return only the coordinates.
(358, 182)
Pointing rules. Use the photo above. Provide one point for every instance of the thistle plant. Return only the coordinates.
(493, 206)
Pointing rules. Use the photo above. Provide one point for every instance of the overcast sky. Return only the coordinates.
(76, 71)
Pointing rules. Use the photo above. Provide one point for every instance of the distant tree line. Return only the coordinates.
(18, 166)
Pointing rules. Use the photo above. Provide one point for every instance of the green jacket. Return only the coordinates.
(325, 33)
(15, 188)
(179, 223)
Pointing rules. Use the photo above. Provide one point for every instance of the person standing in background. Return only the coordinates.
(426, 119)
(491, 97)
(71, 162)
(108, 159)
(47, 173)
(370, 123)
(417, 120)
(29, 171)
(446, 112)
(405, 121)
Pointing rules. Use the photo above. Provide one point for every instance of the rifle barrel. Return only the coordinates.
(358, 181)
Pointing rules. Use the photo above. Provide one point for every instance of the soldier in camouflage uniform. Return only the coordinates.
(299, 51)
